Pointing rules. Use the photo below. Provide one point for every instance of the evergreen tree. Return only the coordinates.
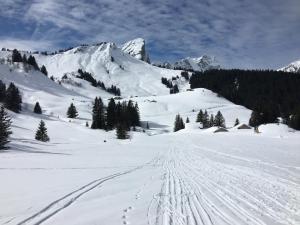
(255, 119)
(87, 124)
(136, 115)
(211, 120)
(24, 59)
(31, 61)
(98, 114)
(5, 123)
(200, 117)
(37, 108)
(13, 98)
(41, 133)
(122, 132)
(111, 114)
(179, 124)
(16, 56)
(237, 122)
(72, 112)
(219, 120)
(147, 126)
(2, 91)
(294, 121)
(44, 70)
(205, 120)
(187, 120)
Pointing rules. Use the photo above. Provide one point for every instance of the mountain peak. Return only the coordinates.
(137, 49)
(292, 67)
(202, 63)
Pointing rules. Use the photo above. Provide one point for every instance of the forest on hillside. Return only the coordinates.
(271, 94)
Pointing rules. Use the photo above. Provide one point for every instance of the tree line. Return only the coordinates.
(17, 57)
(89, 77)
(270, 94)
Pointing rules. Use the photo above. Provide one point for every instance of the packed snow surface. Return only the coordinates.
(191, 177)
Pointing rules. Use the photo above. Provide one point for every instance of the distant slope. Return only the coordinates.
(293, 67)
(202, 63)
(111, 65)
(137, 49)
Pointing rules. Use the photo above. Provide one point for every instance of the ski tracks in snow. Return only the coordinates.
(197, 190)
(62, 203)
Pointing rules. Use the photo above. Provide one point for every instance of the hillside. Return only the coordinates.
(86, 176)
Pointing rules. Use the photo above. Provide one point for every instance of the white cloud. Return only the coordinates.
(249, 32)
(26, 45)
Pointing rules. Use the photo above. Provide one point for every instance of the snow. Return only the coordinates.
(292, 67)
(137, 49)
(202, 63)
(193, 176)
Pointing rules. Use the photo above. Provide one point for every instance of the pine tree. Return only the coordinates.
(200, 117)
(122, 132)
(98, 114)
(44, 70)
(187, 120)
(205, 120)
(179, 124)
(37, 108)
(2, 91)
(111, 114)
(31, 61)
(5, 132)
(24, 59)
(237, 122)
(136, 117)
(72, 112)
(147, 126)
(16, 56)
(219, 120)
(13, 98)
(87, 124)
(294, 121)
(255, 119)
(41, 133)
(211, 120)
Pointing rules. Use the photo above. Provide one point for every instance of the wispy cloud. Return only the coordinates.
(26, 45)
(241, 33)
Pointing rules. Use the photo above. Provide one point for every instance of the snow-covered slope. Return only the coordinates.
(198, 64)
(202, 63)
(137, 49)
(112, 66)
(86, 176)
(293, 67)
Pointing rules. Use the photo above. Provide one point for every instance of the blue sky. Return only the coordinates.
(240, 33)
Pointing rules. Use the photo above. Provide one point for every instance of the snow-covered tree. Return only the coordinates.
(72, 111)
(41, 133)
(37, 108)
(13, 98)
(5, 123)
(219, 120)
(179, 124)
(44, 70)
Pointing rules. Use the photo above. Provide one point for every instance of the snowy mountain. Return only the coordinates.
(109, 64)
(292, 67)
(87, 176)
(137, 49)
(198, 64)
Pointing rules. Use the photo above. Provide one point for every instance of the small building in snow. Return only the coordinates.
(243, 126)
(220, 129)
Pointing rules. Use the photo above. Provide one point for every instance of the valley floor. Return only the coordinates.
(194, 177)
